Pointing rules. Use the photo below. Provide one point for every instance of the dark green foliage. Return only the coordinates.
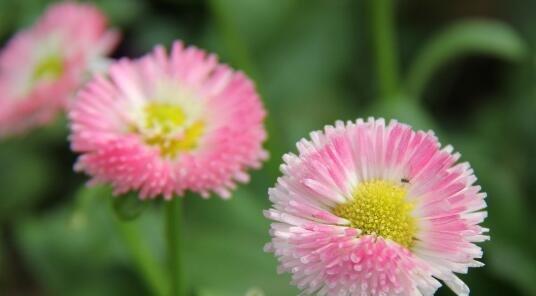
(313, 63)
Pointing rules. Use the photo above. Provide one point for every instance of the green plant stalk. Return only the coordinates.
(147, 266)
(237, 49)
(382, 18)
(240, 54)
(173, 231)
(145, 263)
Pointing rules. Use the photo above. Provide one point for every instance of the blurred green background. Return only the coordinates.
(473, 82)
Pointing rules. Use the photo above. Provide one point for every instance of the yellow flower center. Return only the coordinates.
(166, 127)
(380, 208)
(50, 67)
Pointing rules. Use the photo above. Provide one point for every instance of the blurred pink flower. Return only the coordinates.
(370, 209)
(164, 124)
(42, 66)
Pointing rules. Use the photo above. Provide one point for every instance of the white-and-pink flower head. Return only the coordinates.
(41, 67)
(166, 124)
(367, 208)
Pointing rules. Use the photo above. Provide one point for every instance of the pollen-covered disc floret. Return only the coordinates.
(164, 124)
(380, 208)
(42, 66)
(367, 208)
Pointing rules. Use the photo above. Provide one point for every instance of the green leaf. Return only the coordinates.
(25, 177)
(125, 209)
(128, 207)
(223, 249)
(86, 245)
(404, 110)
(76, 250)
(512, 263)
(465, 37)
(118, 15)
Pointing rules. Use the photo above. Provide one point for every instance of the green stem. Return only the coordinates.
(236, 47)
(173, 219)
(385, 47)
(140, 253)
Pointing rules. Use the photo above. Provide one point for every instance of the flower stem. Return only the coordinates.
(385, 46)
(140, 253)
(150, 270)
(173, 219)
(235, 44)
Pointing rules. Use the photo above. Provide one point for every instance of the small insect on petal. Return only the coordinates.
(409, 219)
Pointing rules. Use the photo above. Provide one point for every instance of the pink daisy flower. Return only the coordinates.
(164, 124)
(370, 209)
(42, 66)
